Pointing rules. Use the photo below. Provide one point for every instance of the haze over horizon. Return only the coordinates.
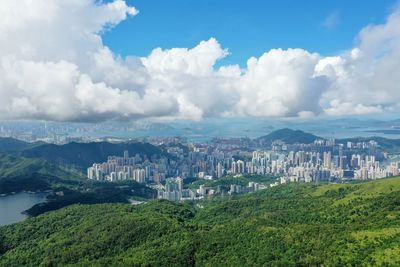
(58, 63)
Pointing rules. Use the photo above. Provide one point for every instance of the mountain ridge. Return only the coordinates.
(83, 155)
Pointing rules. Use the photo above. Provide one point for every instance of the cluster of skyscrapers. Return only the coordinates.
(323, 160)
(120, 168)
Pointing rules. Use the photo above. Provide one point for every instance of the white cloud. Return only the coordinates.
(332, 20)
(198, 61)
(55, 67)
(281, 83)
(367, 79)
(338, 108)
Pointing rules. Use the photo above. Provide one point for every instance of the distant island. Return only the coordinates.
(288, 136)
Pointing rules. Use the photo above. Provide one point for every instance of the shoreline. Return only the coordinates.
(25, 212)
(38, 197)
(25, 191)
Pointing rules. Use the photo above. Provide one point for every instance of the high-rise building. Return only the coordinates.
(179, 182)
(220, 170)
(139, 175)
(234, 168)
(342, 162)
(240, 166)
(327, 159)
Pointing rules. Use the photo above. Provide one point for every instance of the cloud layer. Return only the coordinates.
(54, 66)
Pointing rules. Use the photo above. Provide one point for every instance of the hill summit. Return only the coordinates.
(288, 136)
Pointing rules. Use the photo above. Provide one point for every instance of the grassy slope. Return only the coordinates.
(295, 224)
(363, 190)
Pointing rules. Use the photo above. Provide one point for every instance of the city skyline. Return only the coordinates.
(262, 164)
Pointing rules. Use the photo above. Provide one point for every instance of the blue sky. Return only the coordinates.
(246, 27)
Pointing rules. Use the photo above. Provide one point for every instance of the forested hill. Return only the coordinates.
(288, 136)
(12, 145)
(78, 155)
(288, 225)
(18, 174)
(83, 155)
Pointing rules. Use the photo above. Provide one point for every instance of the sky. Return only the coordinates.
(91, 61)
(247, 28)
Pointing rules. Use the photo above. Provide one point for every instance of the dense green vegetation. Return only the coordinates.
(83, 155)
(288, 225)
(77, 155)
(23, 174)
(93, 193)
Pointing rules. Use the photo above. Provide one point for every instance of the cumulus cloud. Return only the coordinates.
(366, 79)
(281, 83)
(54, 66)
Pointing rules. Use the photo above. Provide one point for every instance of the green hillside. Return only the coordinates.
(83, 155)
(18, 174)
(25, 174)
(77, 155)
(288, 225)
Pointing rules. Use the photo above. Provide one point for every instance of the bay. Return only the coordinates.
(12, 206)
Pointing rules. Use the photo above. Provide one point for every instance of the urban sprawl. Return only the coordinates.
(321, 161)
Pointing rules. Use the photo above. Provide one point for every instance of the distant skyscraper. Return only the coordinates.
(220, 170)
(240, 166)
(234, 167)
(179, 182)
(327, 159)
(342, 162)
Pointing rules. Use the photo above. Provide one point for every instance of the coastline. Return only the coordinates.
(25, 191)
(14, 205)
